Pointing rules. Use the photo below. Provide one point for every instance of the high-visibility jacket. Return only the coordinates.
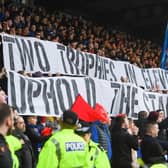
(159, 165)
(64, 149)
(14, 145)
(97, 156)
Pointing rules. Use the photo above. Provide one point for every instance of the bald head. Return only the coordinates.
(20, 124)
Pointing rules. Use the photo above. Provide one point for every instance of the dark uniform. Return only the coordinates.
(25, 155)
(5, 154)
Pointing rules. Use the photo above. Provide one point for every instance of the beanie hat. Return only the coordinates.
(153, 116)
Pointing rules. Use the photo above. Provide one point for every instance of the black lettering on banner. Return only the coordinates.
(149, 77)
(89, 62)
(145, 79)
(11, 56)
(45, 97)
(42, 56)
(62, 51)
(23, 95)
(90, 91)
(60, 83)
(22, 58)
(37, 92)
(152, 98)
(116, 88)
(130, 73)
(162, 79)
(112, 67)
(103, 69)
(80, 55)
(122, 100)
(98, 68)
(146, 101)
(106, 70)
(134, 102)
(166, 77)
(34, 94)
(155, 76)
(52, 95)
(28, 53)
(161, 104)
(8, 39)
(11, 80)
(113, 101)
(75, 88)
(96, 64)
(127, 100)
(78, 62)
(71, 59)
(30, 96)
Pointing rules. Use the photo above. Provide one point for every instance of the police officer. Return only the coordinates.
(64, 149)
(6, 124)
(96, 155)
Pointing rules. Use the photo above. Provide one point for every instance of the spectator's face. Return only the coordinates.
(32, 120)
(3, 97)
(37, 18)
(33, 28)
(126, 122)
(161, 117)
(20, 124)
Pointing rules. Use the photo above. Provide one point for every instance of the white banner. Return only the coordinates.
(51, 96)
(31, 54)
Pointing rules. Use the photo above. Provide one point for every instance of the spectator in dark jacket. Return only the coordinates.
(34, 135)
(142, 119)
(158, 117)
(26, 154)
(123, 142)
(152, 151)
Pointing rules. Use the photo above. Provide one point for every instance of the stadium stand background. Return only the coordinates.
(146, 18)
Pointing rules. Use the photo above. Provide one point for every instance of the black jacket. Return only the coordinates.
(36, 139)
(5, 154)
(152, 152)
(26, 154)
(122, 143)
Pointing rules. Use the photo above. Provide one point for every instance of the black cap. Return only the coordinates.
(84, 129)
(70, 117)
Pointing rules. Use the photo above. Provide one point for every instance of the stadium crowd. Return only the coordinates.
(78, 33)
(118, 142)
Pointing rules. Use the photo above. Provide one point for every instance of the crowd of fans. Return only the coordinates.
(118, 141)
(78, 33)
(32, 131)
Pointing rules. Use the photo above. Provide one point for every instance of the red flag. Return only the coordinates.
(101, 114)
(83, 109)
